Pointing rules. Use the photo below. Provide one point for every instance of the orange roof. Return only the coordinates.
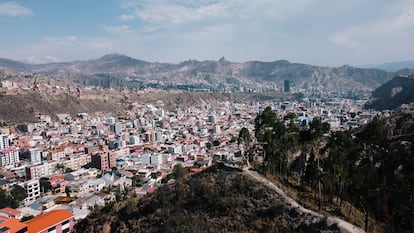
(13, 224)
(47, 220)
(10, 211)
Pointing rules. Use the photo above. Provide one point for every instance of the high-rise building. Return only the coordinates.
(35, 155)
(9, 157)
(103, 161)
(4, 141)
(287, 86)
(116, 128)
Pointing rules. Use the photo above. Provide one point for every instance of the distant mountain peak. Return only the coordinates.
(113, 55)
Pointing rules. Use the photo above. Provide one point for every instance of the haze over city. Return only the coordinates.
(318, 32)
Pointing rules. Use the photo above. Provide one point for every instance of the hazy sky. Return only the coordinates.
(320, 32)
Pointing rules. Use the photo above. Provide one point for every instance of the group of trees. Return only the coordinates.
(360, 167)
(12, 198)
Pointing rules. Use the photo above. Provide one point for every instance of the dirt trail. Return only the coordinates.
(342, 224)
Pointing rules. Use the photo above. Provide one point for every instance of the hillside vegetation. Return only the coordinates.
(219, 199)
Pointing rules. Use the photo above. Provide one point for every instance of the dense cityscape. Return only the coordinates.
(75, 163)
(206, 116)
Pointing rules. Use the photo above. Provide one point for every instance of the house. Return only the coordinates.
(52, 221)
(122, 183)
(99, 199)
(79, 188)
(10, 213)
(98, 184)
(56, 183)
(77, 175)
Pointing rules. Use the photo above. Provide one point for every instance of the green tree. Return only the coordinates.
(311, 171)
(244, 137)
(179, 172)
(271, 133)
(67, 191)
(5, 199)
(18, 193)
(375, 163)
(45, 185)
(338, 164)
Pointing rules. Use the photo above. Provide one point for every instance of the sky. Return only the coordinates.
(317, 32)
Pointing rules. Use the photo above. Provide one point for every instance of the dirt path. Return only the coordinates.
(342, 224)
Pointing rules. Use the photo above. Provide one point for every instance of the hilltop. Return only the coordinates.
(393, 94)
(219, 199)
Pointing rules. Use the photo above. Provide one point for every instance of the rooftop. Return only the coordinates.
(10, 211)
(47, 220)
(13, 224)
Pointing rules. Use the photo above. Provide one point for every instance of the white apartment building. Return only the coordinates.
(4, 141)
(9, 157)
(33, 191)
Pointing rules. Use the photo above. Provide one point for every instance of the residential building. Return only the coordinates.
(12, 225)
(4, 141)
(103, 161)
(61, 221)
(76, 162)
(10, 213)
(35, 172)
(35, 155)
(116, 128)
(9, 157)
(56, 155)
(32, 189)
(134, 140)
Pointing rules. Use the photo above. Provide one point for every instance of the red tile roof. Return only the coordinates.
(10, 211)
(47, 220)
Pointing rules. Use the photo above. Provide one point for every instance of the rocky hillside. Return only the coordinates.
(210, 73)
(220, 199)
(393, 94)
(24, 106)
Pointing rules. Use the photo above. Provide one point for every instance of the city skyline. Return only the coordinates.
(314, 32)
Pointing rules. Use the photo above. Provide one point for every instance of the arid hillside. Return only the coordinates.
(24, 106)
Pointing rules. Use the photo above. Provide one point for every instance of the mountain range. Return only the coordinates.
(395, 66)
(251, 74)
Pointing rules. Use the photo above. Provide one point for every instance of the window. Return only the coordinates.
(51, 229)
(66, 230)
